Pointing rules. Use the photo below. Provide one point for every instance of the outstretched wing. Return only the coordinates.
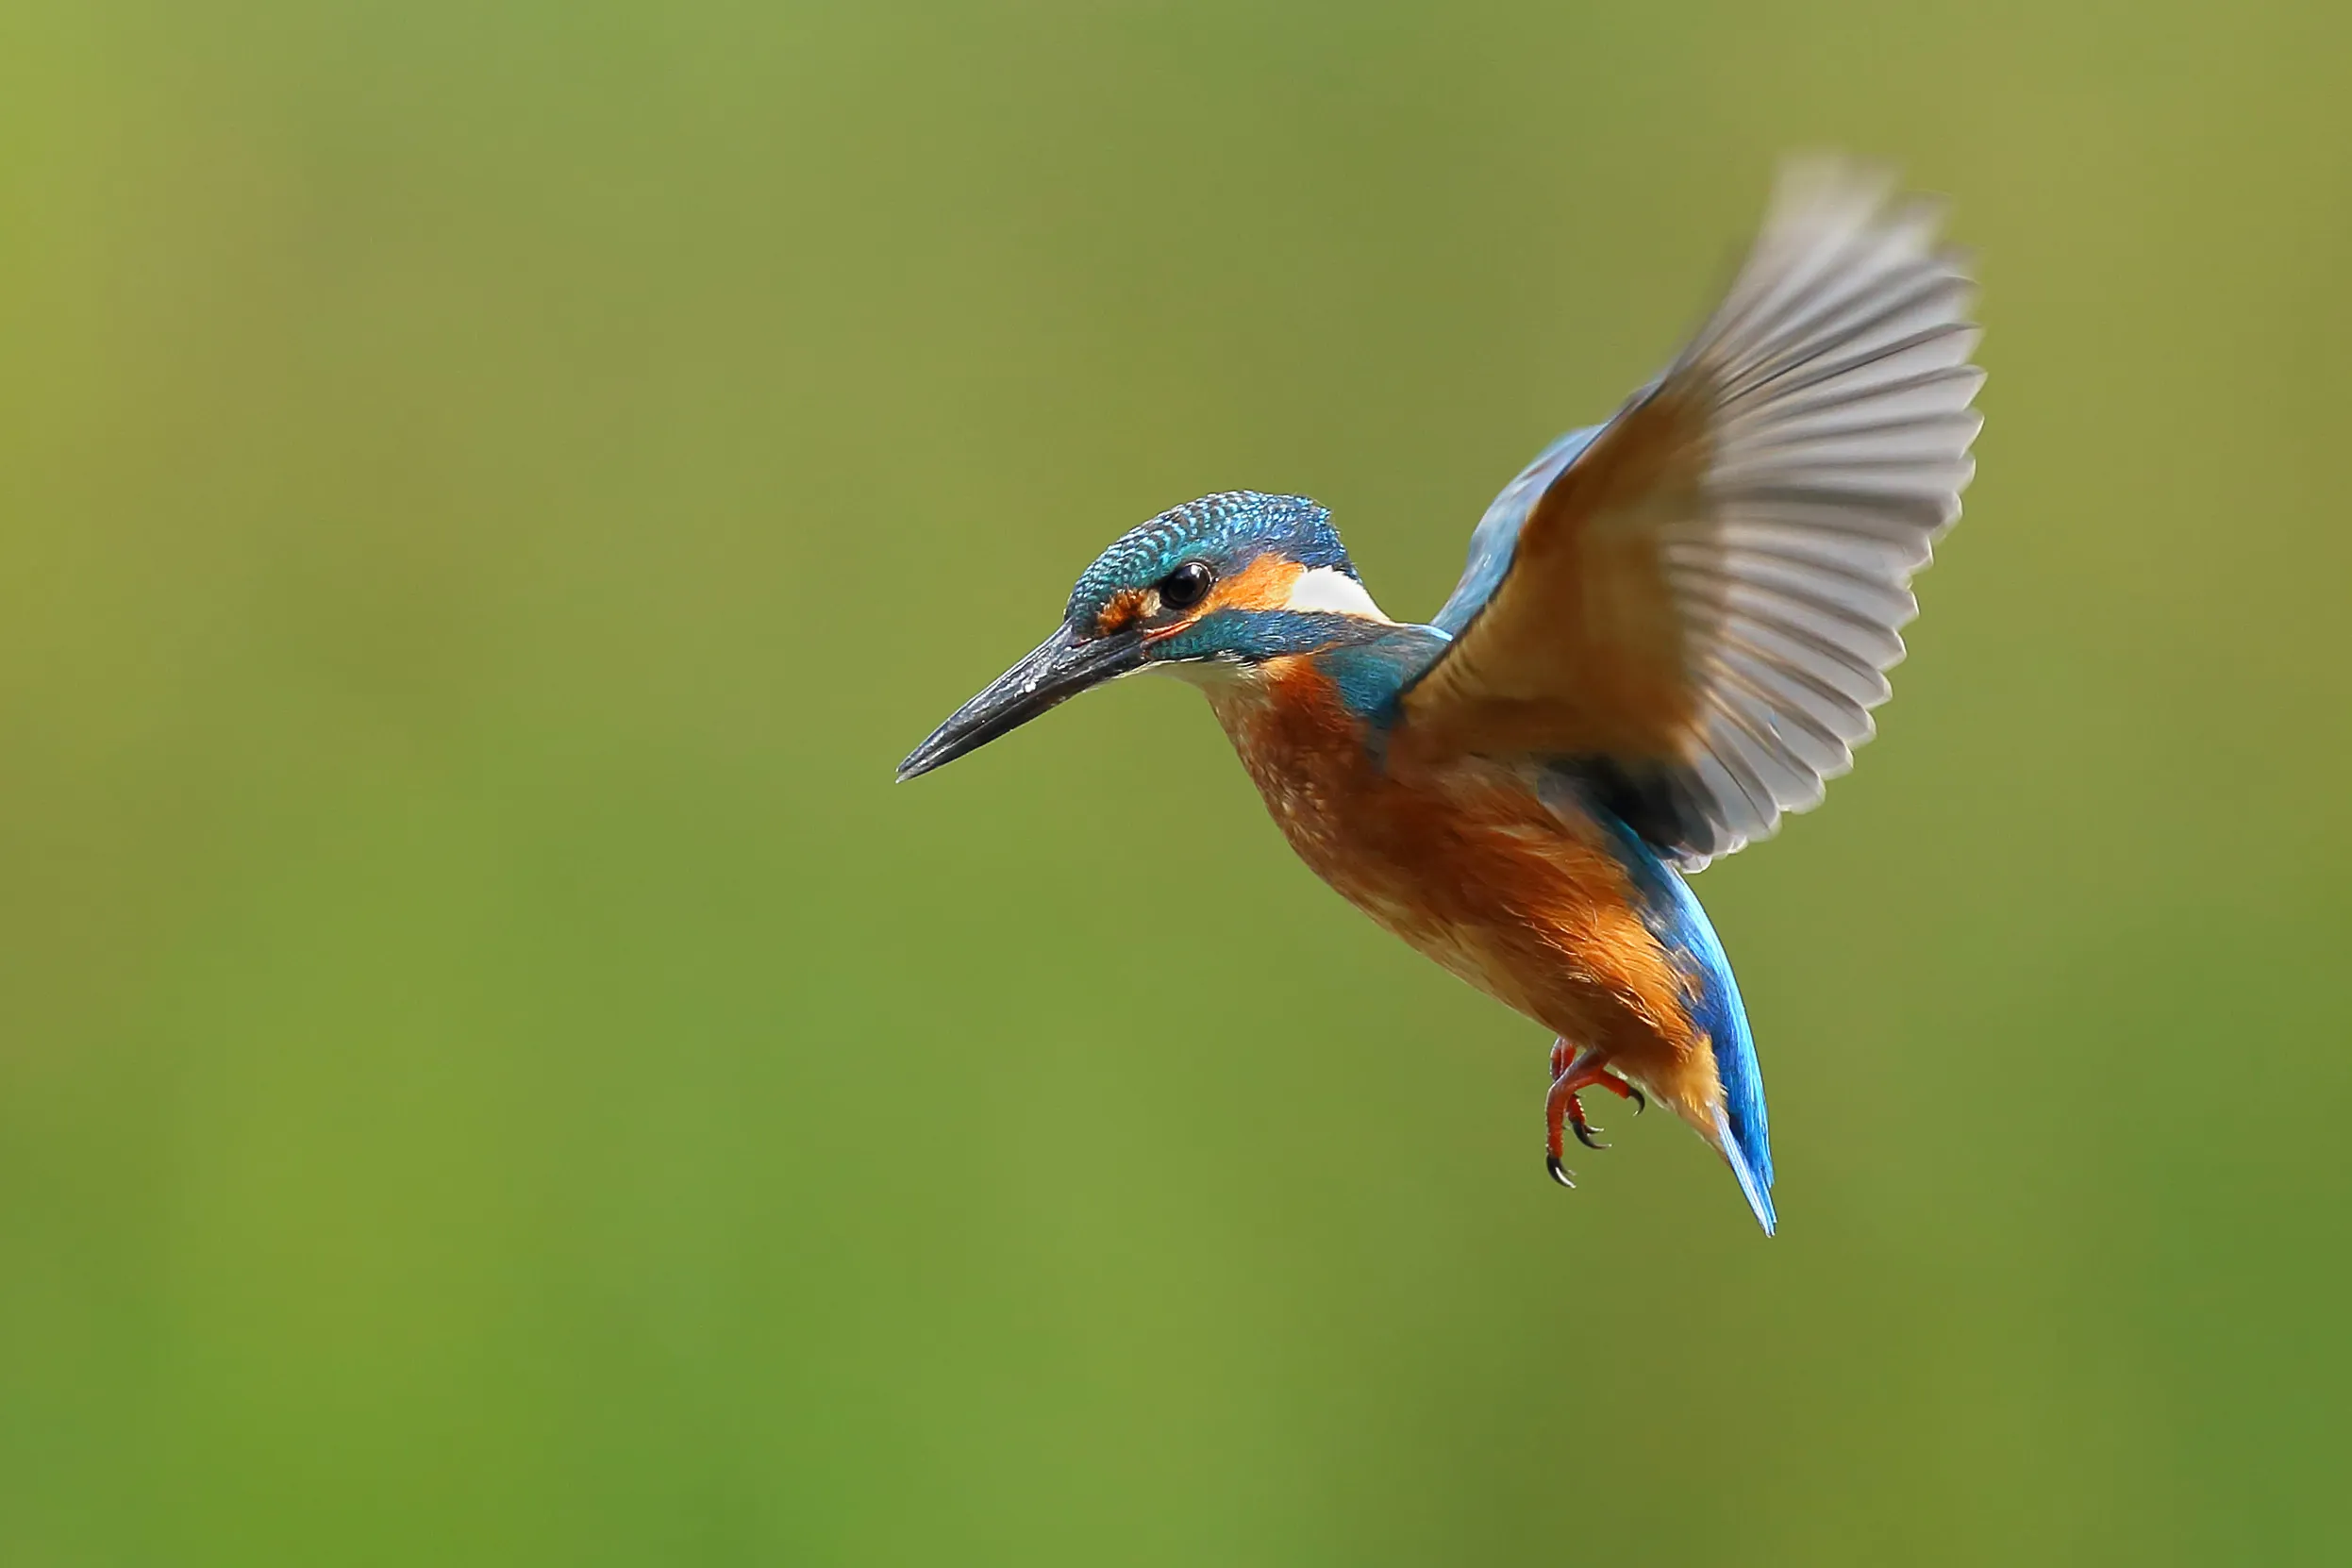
(1693, 608)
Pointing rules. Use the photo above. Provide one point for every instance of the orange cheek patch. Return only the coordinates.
(1264, 584)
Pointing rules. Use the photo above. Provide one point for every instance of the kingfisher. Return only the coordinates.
(1671, 631)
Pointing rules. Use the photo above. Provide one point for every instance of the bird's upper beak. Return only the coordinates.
(1063, 665)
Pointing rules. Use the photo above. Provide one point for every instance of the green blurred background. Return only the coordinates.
(493, 1072)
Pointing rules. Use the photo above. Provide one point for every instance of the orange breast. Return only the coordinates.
(1464, 862)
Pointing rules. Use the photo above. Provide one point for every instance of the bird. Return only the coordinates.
(1670, 633)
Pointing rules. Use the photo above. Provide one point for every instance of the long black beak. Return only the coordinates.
(1062, 667)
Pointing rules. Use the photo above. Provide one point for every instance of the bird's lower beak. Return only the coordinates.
(1062, 667)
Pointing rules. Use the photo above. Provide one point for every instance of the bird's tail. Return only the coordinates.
(1754, 1180)
(1742, 1131)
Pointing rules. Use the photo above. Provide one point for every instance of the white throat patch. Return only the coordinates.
(1332, 591)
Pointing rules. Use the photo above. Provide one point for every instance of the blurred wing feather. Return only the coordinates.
(1694, 608)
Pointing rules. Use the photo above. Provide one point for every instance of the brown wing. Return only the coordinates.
(1701, 606)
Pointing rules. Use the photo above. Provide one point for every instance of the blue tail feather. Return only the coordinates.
(1745, 1130)
(1673, 913)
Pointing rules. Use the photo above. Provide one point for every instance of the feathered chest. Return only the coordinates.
(1464, 862)
(1315, 764)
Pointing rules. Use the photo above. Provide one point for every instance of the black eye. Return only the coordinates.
(1187, 586)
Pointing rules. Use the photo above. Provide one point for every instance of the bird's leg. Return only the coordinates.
(1561, 1057)
(1573, 1070)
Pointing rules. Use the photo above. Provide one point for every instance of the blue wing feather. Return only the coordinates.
(1497, 534)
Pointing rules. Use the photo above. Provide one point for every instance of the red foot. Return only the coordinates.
(1573, 1072)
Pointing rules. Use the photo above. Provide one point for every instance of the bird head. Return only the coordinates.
(1210, 589)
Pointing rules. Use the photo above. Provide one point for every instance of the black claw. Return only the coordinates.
(1641, 1102)
(1584, 1135)
(1559, 1173)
